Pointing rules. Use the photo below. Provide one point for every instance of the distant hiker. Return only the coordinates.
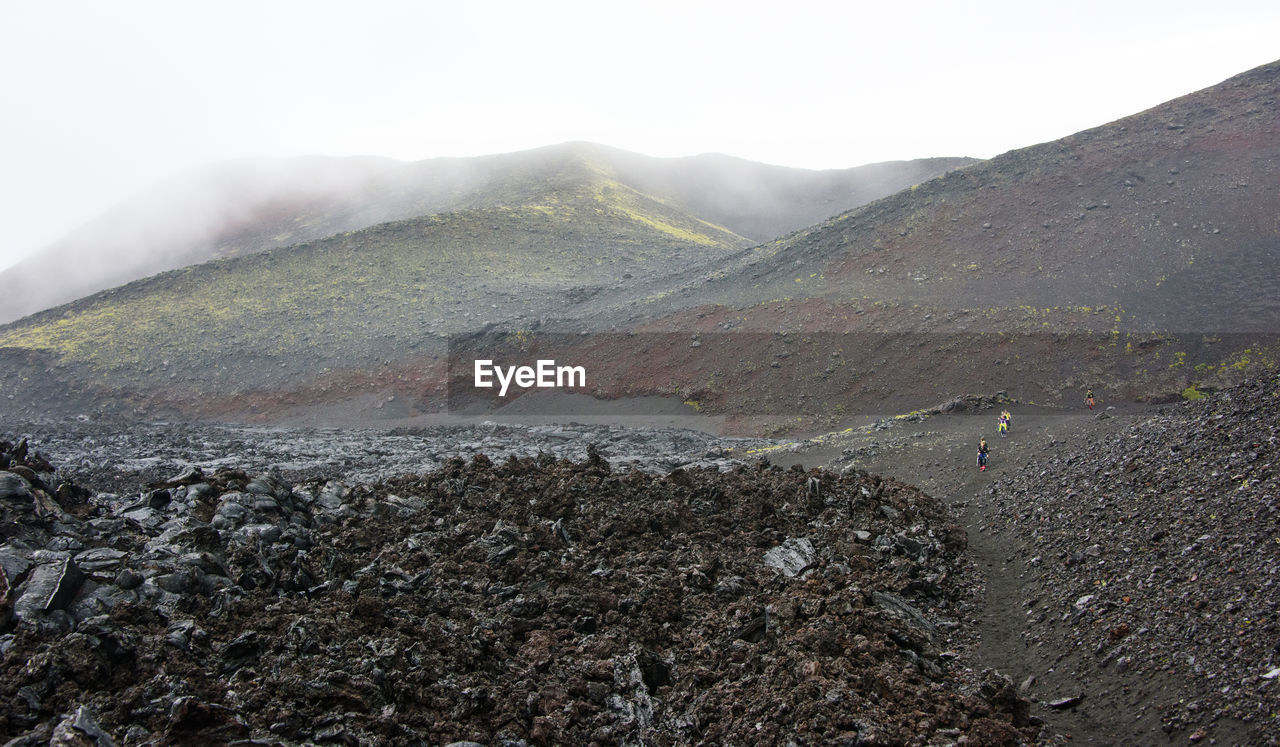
(1088, 398)
(1008, 419)
(982, 455)
(1002, 425)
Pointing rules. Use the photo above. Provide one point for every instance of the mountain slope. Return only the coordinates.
(355, 300)
(243, 207)
(1137, 258)
(1172, 215)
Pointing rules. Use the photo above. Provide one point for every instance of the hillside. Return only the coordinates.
(1129, 554)
(243, 207)
(1138, 258)
(1172, 215)
(358, 301)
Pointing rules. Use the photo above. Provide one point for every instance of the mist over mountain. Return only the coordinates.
(1138, 256)
(236, 208)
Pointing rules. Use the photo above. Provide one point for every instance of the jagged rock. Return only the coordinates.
(14, 566)
(80, 729)
(793, 557)
(158, 499)
(94, 600)
(174, 583)
(146, 517)
(332, 496)
(51, 585)
(14, 487)
(6, 603)
(533, 599)
(731, 587)
(267, 533)
(64, 543)
(900, 607)
(100, 563)
(189, 476)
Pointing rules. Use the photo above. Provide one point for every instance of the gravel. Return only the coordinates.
(1151, 553)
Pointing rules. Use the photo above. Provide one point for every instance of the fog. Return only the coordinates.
(229, 209)
(109, 104)
(241, 207)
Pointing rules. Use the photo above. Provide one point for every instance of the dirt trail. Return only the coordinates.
(938, 455)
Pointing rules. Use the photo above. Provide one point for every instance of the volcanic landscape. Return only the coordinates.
(255, 498)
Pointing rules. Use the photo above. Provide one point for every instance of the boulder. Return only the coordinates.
(793, 557)
(50, 586)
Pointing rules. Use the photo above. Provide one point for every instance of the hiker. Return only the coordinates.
(1088, 398)
(982, 455)
(1008, 419)
(1002, 424)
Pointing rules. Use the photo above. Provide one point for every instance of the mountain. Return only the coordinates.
(1137, 259)
(532, 235)
(1172, 215)
(243, 207)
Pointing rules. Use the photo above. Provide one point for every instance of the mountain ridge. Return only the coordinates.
(1122, 198)
(1136, 257)
(241, 207)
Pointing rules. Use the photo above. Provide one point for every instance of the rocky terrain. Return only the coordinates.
(1109, 578)
(531, 600)
(1150, 552)
(127, 459)
(1126, 555)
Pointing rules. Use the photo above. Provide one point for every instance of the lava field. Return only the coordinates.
(537, 600)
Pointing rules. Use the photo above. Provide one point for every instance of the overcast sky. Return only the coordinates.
(105, 99)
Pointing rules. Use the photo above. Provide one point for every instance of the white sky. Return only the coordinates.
(104, 99)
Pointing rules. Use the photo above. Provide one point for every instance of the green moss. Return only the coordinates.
(387, 287)
(636, 206)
